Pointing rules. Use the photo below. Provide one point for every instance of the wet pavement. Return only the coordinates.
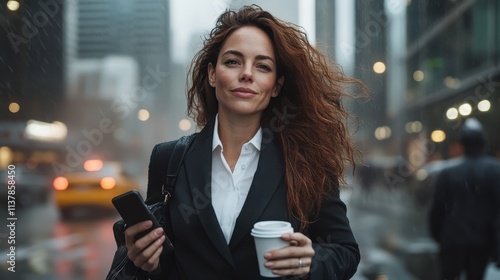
(390, 227)
(49, 248)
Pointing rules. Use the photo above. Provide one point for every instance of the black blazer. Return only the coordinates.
(465, 207)
(201, 252)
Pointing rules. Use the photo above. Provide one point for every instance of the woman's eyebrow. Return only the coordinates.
(240, 54)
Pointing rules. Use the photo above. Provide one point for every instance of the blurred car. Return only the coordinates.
(93, 186)
(32, 186)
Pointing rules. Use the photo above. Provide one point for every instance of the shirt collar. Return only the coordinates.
(256, 140)
(216, 139)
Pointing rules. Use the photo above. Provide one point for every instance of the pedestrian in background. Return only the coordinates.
(465, 209)
(273, 146)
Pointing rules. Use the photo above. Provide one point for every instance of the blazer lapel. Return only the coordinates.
(199, 173)
(268, 175)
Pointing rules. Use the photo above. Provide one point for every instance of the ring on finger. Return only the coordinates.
(299, 265)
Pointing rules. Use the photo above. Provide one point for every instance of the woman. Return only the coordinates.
(273, 146)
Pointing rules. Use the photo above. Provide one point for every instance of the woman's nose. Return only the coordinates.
(246, 74)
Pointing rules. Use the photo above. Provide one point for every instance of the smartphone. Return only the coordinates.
(133, 210)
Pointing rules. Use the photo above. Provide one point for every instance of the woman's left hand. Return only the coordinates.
(291, 260)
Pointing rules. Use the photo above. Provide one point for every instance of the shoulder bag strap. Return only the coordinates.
(175, 163)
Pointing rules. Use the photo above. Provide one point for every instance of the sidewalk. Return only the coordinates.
(392, 234)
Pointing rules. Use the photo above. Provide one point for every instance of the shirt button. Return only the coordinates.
(246, 148)
(243, 166)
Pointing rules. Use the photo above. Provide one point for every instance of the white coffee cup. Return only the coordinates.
(267, 236)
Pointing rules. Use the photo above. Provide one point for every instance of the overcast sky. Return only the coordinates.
(189, 18)
(193, 17)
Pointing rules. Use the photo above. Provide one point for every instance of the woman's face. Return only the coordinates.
(245, 75)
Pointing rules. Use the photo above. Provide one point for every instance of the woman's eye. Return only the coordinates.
(264, 67)
(231, 61)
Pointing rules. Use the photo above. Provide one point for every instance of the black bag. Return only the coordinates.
(122, 268)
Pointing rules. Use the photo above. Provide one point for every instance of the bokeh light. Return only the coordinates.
(465, 109)
(382, 132)
(438, 136)
(60, 183)
(484, 106)
(13, 5)
(418, 75)
(379, 67)
(452, 113)
(143, 115)
(108, 183)
(184, 125)
(14, 107)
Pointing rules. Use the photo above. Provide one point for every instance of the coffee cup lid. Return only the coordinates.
(267, 229)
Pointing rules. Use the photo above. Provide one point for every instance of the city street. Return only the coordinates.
(88, 88)
(49, 248)
(391, 231)
(387, 225)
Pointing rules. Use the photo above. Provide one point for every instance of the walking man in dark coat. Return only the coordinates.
(465, 209)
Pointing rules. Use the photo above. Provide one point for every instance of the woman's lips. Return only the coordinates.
(243, 92)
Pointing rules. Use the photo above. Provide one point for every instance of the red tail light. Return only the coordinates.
(108, 183)
(60, 183)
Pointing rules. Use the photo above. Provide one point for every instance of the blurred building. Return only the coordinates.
(453, 72)
(429, 64)
(118, 62)
(31, 82)
(31, 60)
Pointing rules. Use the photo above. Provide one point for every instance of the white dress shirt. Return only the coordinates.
(230, 189)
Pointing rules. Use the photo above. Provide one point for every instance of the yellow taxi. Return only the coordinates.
(94, 186)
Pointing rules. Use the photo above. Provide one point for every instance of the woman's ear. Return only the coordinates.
(211, 75)
(277, 87)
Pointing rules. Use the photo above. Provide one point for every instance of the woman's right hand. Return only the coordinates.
(144, 252)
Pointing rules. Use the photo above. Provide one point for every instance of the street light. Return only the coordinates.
(465, 109)
(13, 5)
(452, 113)
(484, 106)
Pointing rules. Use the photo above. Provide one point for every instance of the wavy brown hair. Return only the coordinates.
(308, 116)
